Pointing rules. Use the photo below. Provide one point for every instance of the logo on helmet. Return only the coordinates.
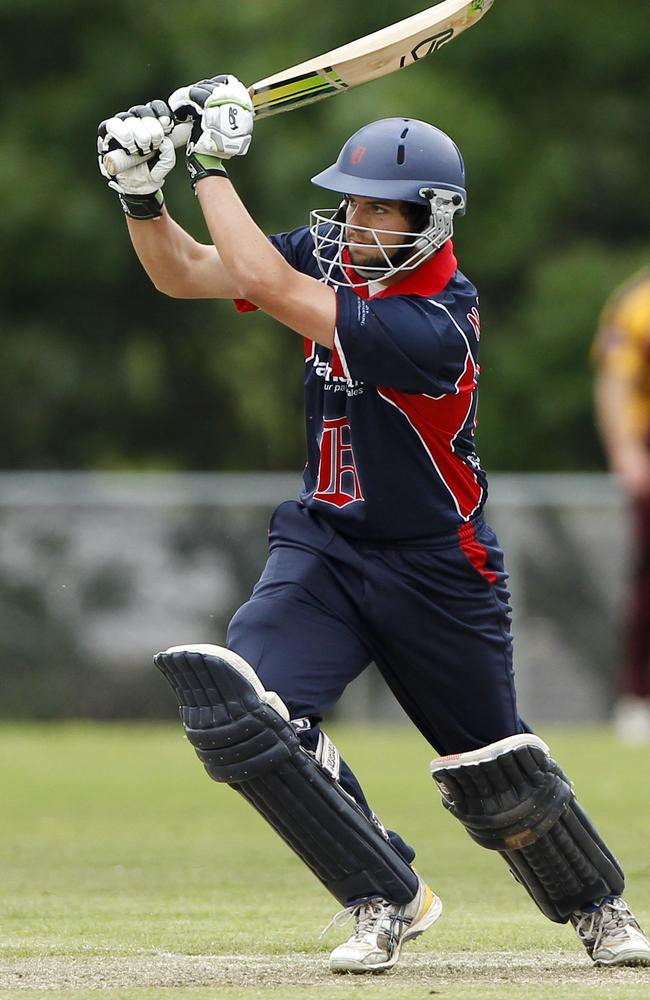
(357, 156)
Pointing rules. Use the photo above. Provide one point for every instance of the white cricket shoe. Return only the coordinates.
(381, 930)
(611, 934)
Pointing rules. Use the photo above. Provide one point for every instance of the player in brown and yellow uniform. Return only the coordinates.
(622, 356)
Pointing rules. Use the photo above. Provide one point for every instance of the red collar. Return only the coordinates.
(427, 280)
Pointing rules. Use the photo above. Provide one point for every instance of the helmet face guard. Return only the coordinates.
(333, 250)
(395, 159)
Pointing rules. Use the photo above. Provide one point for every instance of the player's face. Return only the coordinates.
(385, 217)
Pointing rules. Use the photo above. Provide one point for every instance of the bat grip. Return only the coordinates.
(117, 160)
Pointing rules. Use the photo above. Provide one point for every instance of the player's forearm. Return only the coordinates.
(253, 263)
(262, 274)
(176, 263)
(156, 245)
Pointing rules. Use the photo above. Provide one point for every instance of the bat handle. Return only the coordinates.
(119, 160)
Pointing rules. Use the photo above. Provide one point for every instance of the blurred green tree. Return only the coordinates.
(549, 103)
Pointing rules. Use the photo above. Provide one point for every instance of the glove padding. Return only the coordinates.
(219, 113)
(142, 130)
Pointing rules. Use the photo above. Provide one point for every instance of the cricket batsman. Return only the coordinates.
(385, 556)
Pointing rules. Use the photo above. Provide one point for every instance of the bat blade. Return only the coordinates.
(378, 54)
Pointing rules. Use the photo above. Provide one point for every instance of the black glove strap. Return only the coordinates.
(142, 206)
(198, 170)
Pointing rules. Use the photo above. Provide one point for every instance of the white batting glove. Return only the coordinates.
(144, 130)
(221, 114)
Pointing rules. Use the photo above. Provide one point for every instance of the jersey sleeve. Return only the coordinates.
(408, 343)
(296, 247)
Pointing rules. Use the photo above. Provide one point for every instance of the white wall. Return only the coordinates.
(115, 567)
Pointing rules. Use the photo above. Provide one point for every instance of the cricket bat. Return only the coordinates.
(378, 54)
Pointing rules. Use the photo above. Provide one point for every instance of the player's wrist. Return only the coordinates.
(202, 165)
(142, 206)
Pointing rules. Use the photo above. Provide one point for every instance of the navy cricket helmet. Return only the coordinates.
(394, 159)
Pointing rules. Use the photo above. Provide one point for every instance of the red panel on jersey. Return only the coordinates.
(337, 365)
(437, 422)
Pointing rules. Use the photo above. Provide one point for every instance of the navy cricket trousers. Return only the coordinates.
(435, 619)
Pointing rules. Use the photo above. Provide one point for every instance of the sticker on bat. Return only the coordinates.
(426, 47)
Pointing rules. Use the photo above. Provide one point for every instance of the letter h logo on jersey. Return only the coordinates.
(338, 481)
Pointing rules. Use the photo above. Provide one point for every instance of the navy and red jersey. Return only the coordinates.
(391, 410)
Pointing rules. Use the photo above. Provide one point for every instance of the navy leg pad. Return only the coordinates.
(245, 742)
(512, 797)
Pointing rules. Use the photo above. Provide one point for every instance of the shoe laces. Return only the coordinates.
(368, 916)
(612, 918)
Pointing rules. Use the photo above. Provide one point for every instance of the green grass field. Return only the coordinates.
(127, 873)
